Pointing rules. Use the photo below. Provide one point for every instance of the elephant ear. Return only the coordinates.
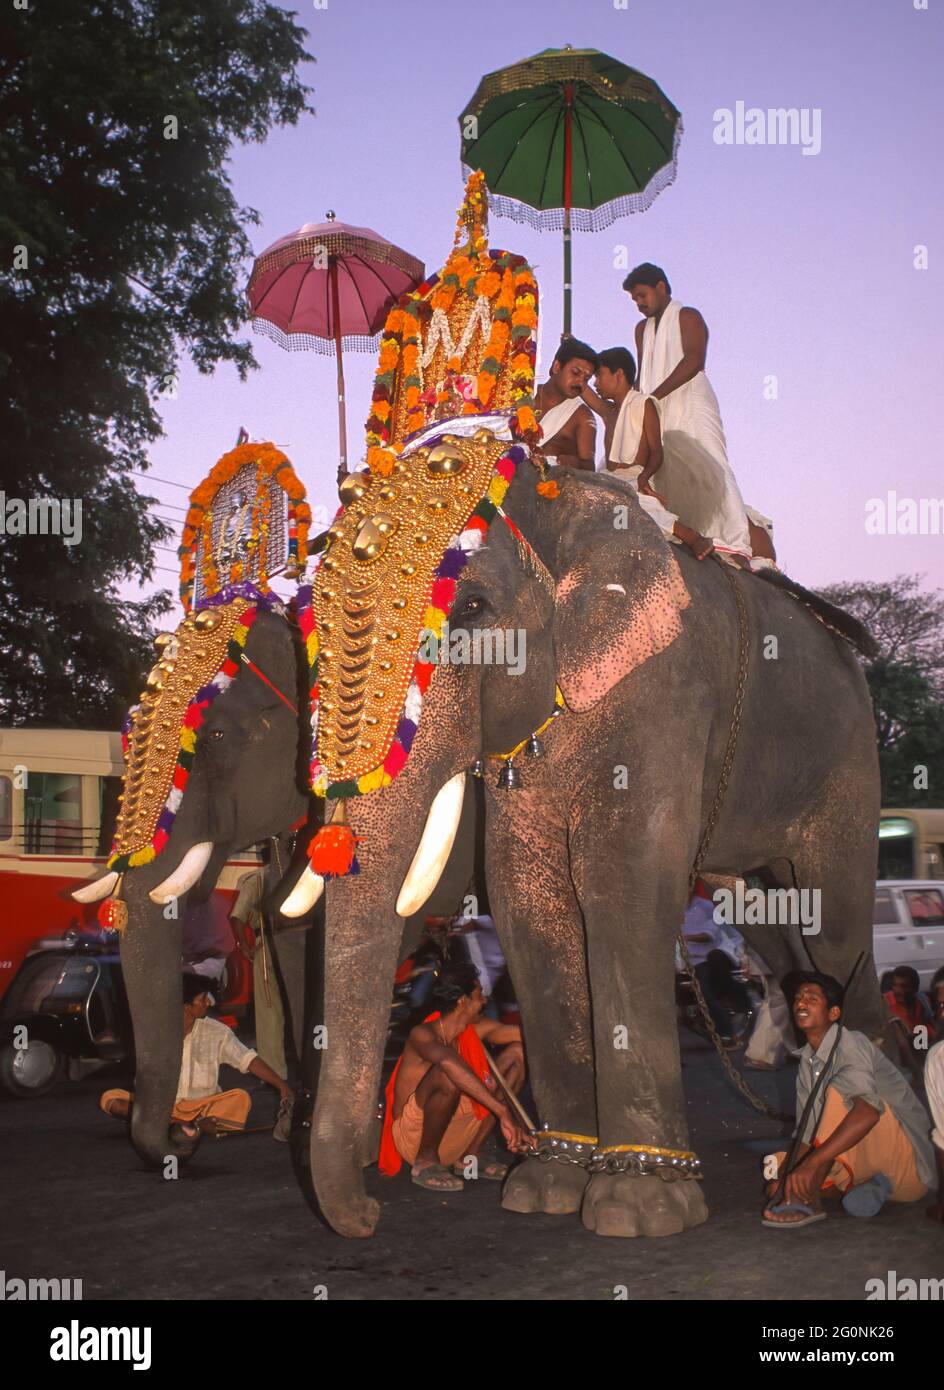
(620, 596)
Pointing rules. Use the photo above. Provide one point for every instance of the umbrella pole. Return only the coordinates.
(568, 168)
(342, 416)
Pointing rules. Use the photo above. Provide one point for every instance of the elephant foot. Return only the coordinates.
(620, 1204)
(553, 1187)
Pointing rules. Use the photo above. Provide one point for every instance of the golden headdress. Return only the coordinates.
(461, 344)
(451, 416)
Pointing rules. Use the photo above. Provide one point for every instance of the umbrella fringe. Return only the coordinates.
(308, 342)
(586, 219)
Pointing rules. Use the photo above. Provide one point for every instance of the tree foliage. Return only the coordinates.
(121, 245)
(906, 682)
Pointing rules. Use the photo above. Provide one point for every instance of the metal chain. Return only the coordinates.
(702, 853)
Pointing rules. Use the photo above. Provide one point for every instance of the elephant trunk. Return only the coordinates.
(149, 942)
(362, 941)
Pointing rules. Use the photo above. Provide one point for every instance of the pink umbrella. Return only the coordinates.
(328, 287)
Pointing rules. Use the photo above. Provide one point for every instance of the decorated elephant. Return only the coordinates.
(589, 858)
(670, 715)
(216, 755)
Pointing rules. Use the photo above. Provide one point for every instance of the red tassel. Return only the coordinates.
(331, 852)
(113, 914)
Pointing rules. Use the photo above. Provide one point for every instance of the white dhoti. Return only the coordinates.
(695, 477)
(627, 432)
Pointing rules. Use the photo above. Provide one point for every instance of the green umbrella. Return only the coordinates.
(570, 138)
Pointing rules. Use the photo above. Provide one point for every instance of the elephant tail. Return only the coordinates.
(836, 619)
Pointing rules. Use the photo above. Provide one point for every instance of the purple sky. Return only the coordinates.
(803, 266)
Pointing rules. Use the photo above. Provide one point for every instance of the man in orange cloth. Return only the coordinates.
(440, 1101)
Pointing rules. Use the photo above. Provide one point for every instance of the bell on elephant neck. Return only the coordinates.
(478, 768)
(535, 748)
(509, 779)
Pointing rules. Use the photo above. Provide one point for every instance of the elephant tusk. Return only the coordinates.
(439, 834)
(92, 892)
(185, 875)
(304, 895)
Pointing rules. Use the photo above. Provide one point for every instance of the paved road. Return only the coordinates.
(234, 1225)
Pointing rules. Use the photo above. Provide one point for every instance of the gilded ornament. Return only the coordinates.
(352, 488)
(447, 457)
(208, 619)
(373, 535)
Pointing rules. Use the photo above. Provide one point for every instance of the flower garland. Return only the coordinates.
(456, 556)
(193, 718)
(270, 462)
(500, 276)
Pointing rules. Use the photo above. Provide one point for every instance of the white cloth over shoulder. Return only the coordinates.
(695, 477)
(206, 1047)
(627, 432)
(554, 420)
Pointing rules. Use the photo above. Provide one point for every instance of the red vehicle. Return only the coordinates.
(58, 797)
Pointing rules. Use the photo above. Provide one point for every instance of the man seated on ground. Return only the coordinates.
(934, 1085)
(568, 429)
(441, 1102)
(713, 967)
(871, 1140)
(200, 1105)
(909, 1012)
(633, 441)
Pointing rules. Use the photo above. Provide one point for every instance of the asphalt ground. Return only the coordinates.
(234, 1225)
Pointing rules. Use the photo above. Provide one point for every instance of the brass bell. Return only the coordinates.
(509, 779)
(535, 748)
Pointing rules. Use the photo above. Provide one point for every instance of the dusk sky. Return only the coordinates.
(803, 265)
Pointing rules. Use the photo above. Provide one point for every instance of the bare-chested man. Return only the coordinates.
(569, 432)
(441, 1098)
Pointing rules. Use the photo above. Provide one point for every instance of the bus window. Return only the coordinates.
(6, 808)
(52, 813)
(109, 789)
(896, 848)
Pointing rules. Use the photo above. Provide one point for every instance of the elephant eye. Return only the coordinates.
(470, 607)
(216, 734)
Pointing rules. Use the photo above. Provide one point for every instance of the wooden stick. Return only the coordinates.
(513, 1100)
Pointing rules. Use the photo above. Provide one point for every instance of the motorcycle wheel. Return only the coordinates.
(31, 1071)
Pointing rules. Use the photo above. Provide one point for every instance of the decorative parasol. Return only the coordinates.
(570, 138)
(327, 287)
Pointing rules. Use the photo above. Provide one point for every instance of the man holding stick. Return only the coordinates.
(442, 1100)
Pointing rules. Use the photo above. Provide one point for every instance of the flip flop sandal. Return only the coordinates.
(809, 1216)
(436, 1178)
(492, 1169)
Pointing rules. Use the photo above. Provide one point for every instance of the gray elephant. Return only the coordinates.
(588, 860)
(246, 784)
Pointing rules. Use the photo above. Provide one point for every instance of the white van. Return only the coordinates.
(908, 925)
